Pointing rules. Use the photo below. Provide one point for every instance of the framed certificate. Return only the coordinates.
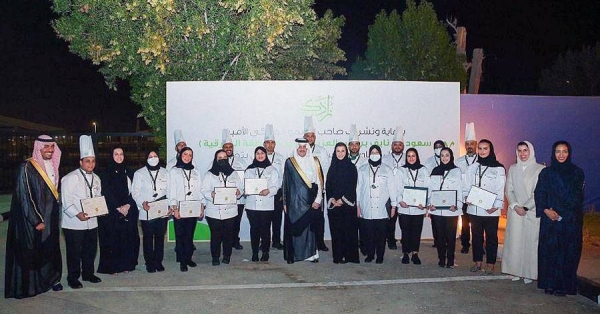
(481, 198)
(443, 199)
(225, 196)
(415, 196)
(95, 206)
(188, 209)
(255, 186)
(157, 209)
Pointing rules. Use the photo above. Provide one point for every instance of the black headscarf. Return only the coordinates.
(341, 176)
(260, 164)
(180, 163)
(490, 160)
(217, 168)
(439, 142)
(375, 163)
(114, 168)
(152, 168)
(417, 164)
(565, 167)
(442, 168)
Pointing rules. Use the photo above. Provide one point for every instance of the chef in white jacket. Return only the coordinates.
(463, 162)
(277, 160)
(239, 164)
(395, 160)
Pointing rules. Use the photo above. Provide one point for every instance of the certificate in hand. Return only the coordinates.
(188, 209)
(157, 209)
(255, 186)
(225, 196)
(443, 199)
(95, 206)
(481, 198)
(414, 196)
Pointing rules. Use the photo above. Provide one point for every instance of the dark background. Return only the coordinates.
(41, 81)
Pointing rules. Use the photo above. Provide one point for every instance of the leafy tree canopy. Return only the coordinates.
(576, 73)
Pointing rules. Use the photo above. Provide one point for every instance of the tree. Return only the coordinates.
(576, 73)
(150, 42)
(411, 47)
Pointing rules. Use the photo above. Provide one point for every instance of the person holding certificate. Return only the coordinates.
(221, 187)
(414, 178)
(376, 185)
(184, 192)
(118, 236)
(149, 189)
(559, 205)
(261, 185)
(341, 206)
(487, 175)
(445, 185)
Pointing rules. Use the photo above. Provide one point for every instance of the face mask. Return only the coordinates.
(222, 162)
(437, 151)
(153, 161)
(375, 158)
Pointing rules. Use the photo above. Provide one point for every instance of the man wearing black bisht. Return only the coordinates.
(33, 260)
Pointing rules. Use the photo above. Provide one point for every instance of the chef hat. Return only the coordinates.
(226, 137)
(353, 134)
(470, 132)
(309, 126)
(269, 133)
(86, 147)
(178, 135)
(399, 135)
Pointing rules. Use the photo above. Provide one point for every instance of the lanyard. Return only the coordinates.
(271, 160)
(481, 173)
(467, 160)
(357, 159)
(188, 177)
(437, 163)
(374, 173)
(153, 178)
(88, 182)
(260, 173)
(415, 177)
(224, 178)
(232, 160)
(398, 160)
(444, 179)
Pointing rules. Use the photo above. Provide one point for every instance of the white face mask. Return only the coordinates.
(375, 158)
(153, 161)
(437, 151)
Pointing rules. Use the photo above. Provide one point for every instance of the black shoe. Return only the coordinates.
(278, 246)
(150, 269)
(316, 260)
(255, 257)
(464, 250)
(264, 257)
(379, 260)
(75, 284)
(215, 261)
(226, 259)
(183, 267)
(191, 263)
(92, 279)
(392, 246)
(549, 291)
(415, 259)
(238, 246)
(405, 258)
(369, 259)
(290, 262)
(560, 293)
(57, 287)
(441, 263)
(323, 248)
(160, 267)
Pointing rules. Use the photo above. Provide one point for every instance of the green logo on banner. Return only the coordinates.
(320, 107)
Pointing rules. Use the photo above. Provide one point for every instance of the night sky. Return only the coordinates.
(43, 82)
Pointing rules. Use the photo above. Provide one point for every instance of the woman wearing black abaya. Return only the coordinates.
(559, 201)
(118, 232)
(340, 186)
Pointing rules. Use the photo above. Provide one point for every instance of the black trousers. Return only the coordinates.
(390, 234)
(238, 223)
(465, 232)
(184, 238)
(82, 246)
(260, 229)
(221, 233)
(277, 216)
(374, 237)
(411, 226)
(446, 237)
(488, 227)
(343, 224)
(153, 241)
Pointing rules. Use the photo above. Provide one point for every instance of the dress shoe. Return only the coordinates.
(160, 267)
(191, 263)
(323, 248)
(441, 263)
(57, 287)
(464, 250)
(226, 259)
(560, 293)
(379, 260)
(343, 261)
(75, 284)
(278, 246)
(369, 259)
(405, 258)
(150, 269)
(183, 267)
(255, 257)
(353, 261)
(290, 262)
(215, 261)
(238, 246)
(415, 259)
(264, 257)
(549, 291)
(392, 246)
(92, 279)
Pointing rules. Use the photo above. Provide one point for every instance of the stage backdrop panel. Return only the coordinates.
(428, 111)
(506, 120)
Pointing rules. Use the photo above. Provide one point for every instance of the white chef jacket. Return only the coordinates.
(451, 180)
(414, 178)
(209, 183)
(148, 186)
(74, 189)
(493, 180)
(259, 202)
(374, 190)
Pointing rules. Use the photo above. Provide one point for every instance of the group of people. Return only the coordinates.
(363, 196)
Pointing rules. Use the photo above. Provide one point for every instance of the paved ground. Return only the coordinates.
(276, 287)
